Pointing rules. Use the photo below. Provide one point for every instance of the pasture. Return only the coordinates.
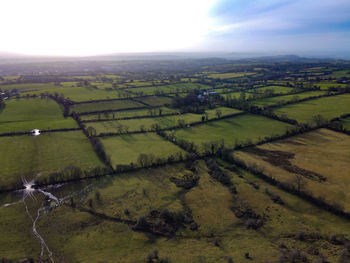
(129, 113)
(233, 130)
(79, 94)
(92, 238)
(125, 149)
(327, 107)
(146, 124)
(105, 105)
(155, 101)
(21, 115)
(286, 98)
(276, 89)
(312, 153)
(171, 88)
(230, 75)
(34, 157)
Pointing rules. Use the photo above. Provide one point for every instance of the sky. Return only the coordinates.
(95, 27)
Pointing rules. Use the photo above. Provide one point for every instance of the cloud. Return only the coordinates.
(287, 25)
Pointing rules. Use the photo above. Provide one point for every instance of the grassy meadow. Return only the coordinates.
(79, 94)
(21, 115)
(129, 113)
(312, 152)
(328, 108)
(105, 105)
(236, 129)
(32, 157)
(155, 101)
(165, 122)
(286, 98)
(125, 149)
(220, 235)
(230, 75)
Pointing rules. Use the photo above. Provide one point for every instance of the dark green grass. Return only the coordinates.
(105, 105)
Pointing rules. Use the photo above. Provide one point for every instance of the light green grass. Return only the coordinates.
(126, 149)
(27, 114)
(231, 130)
(281, 99)
(327, 107)
(326, 86)
(230, 75)
(79, 94)
(32, 156)
(172, 88)
(135, 124)
(163, 122)
(276, 89)
(29, 87)
(105, 105)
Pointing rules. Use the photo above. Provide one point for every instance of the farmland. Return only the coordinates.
(27, 114)
(43, 154)
(195, 160)
(286, 98)
(310, 153)
(129, 113)
(79, 94)
(328, 108)
(105, 105)
(275, 89)
(233, 130)
(155, 101)
(148, 124)
(126, 149)
(230, 75)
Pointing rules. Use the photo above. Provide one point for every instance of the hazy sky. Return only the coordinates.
(89, 27)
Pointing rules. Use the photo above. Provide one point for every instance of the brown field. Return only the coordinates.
(314, 155)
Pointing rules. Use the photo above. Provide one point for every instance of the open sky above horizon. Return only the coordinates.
(95, 27)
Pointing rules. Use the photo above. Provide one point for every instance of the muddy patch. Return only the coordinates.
(282, 159)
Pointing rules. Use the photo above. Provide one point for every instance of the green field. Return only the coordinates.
(135, 124)
(323, 152)
(346, 123)
(326, 86)
(29, 87)
(129, 113)
(79, 94)
(232, 95)
(287, 98)
(276, 89)
(27, 114)
(328, 108)
(90, 238)
(163, 122)
(230, 75)
(236, 129)
(105, 105)
(41, 155)
(172, 88)
(125, 149)
(155, 101)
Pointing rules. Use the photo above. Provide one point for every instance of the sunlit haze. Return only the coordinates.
(86, 27)
(93, 27)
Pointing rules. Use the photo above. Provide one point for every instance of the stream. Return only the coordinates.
(49, 196)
